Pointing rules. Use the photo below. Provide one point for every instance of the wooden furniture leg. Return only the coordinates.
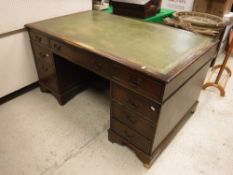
(227, 69)
(222, 67)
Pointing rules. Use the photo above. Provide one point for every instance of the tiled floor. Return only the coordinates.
(39, 137)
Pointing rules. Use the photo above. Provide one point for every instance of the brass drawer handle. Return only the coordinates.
(135, 82)
(131, 103)
(128, 135)
(153, 108)
(131, 120)
(38, 39)
(43, 55)
(98, 66)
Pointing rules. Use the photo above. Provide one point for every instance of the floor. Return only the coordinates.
(39, 137)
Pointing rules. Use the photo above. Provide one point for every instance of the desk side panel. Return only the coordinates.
(173, 111)
(187, 73)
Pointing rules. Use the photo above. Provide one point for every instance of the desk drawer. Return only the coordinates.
(39, 39)
(42, 54)
(45, 67)
(131, 136)
(90, 61)
(137, 81)
(135, 102)
(132, 120)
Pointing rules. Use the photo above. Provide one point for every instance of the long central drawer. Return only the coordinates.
(90, 61)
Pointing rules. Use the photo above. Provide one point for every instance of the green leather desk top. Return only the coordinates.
(154, 48)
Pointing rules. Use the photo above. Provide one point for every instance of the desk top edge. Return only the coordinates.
(159, 76)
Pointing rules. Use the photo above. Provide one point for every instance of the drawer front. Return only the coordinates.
(45, 67)
(39, 39)
(137, 81)
(135, 102)
(131, 136)
(90, 61)
(132, 120)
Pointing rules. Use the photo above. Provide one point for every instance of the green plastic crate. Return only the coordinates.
(158, 18)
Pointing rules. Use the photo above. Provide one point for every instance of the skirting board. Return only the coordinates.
(18, 93)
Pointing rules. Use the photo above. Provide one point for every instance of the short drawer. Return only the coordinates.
(45, 67)
(135, 102)
(39, 38)
(90, 61)
(42, 54)
(137, 81)
(131, 136)
(132, 120)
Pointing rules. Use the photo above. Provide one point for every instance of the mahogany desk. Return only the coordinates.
(156, 72)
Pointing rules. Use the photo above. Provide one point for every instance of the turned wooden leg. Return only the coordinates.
(219, 87)
(227, 69)
(222, 67)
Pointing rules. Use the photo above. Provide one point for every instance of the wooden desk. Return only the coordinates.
(156, 72)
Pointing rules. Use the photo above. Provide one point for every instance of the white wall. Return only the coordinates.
(17, 68)
(16, 63)
(15, 13)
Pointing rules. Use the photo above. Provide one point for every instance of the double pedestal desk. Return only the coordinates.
(156, 72)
